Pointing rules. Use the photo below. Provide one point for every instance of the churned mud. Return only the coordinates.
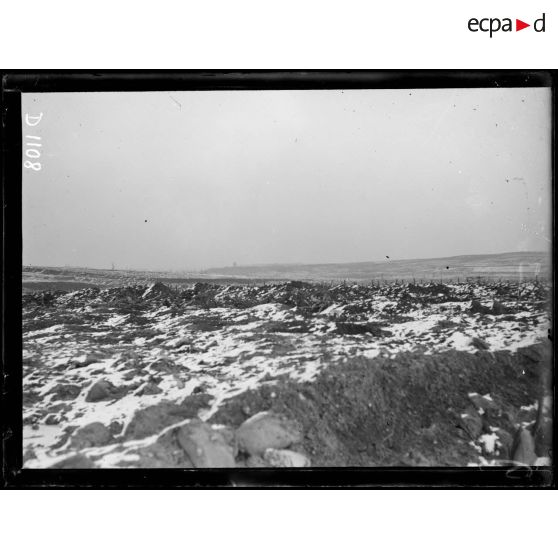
(287, 375)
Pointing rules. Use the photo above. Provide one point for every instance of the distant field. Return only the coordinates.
(509, 266)
(517, 266)
(35, 278)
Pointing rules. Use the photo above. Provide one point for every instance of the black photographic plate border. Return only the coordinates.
(16, 82)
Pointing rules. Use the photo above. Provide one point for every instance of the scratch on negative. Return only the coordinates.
(180, 106)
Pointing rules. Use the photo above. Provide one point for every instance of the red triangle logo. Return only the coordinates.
(519, 25)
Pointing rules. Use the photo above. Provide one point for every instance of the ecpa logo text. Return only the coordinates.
(492, 25)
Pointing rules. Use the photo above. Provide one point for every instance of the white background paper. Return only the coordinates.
(287, 34)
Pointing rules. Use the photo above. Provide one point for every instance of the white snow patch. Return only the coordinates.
(533, 407)
(459, 341)
(489, 442)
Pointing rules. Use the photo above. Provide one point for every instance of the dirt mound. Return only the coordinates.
(157, 290)
(405, 411)
(308, 298)
(349, 328)
(497, 308)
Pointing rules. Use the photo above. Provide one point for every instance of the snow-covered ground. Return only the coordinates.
(160, 349)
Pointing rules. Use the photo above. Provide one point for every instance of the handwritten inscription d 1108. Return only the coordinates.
(32, 144)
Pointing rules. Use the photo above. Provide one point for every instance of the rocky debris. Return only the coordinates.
(480, 344)
(153, 419)
(285, 458)
(164, 453)
(178, 342)
(134, 373)
(87, 359)
(443, 325)
(229, 435)
(267, 430)
(498, 308)
(497, 442)
(484, 404)
(92, 435)
(348, 328)
(115, 427)
(231, 328)
(471, 422)
(309, 298)
(157, 290)
(204, 445)
(166, 366)
(149, 388)
(30, 397)
(65, 392)
(103, 390)
(400, 411)
(478, 308)
(52, 419)
(196, 401)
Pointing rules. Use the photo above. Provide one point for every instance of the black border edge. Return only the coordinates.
(11, 384)
(102, 80)
(13, 476)
(473, 477)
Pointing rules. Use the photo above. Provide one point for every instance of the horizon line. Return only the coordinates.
(208, 269)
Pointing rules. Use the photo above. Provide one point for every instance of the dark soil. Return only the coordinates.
(403, 411)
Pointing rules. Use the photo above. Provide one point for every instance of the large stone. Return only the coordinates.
(471, 422)
(149, 388)
(267, 430)
(479, 344)
(65, 392)
(101, 390)
(87, 359)
(204, 445)
(153, 419)
(524, 448)
(478, 308)
(164, 453)
(91, 435)
(285, 458)
(52, 419)
(228, 434)
(484, 404)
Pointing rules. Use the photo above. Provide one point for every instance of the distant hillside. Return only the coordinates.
(510, 265)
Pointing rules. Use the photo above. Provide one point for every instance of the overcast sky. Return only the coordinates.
(190, 180)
